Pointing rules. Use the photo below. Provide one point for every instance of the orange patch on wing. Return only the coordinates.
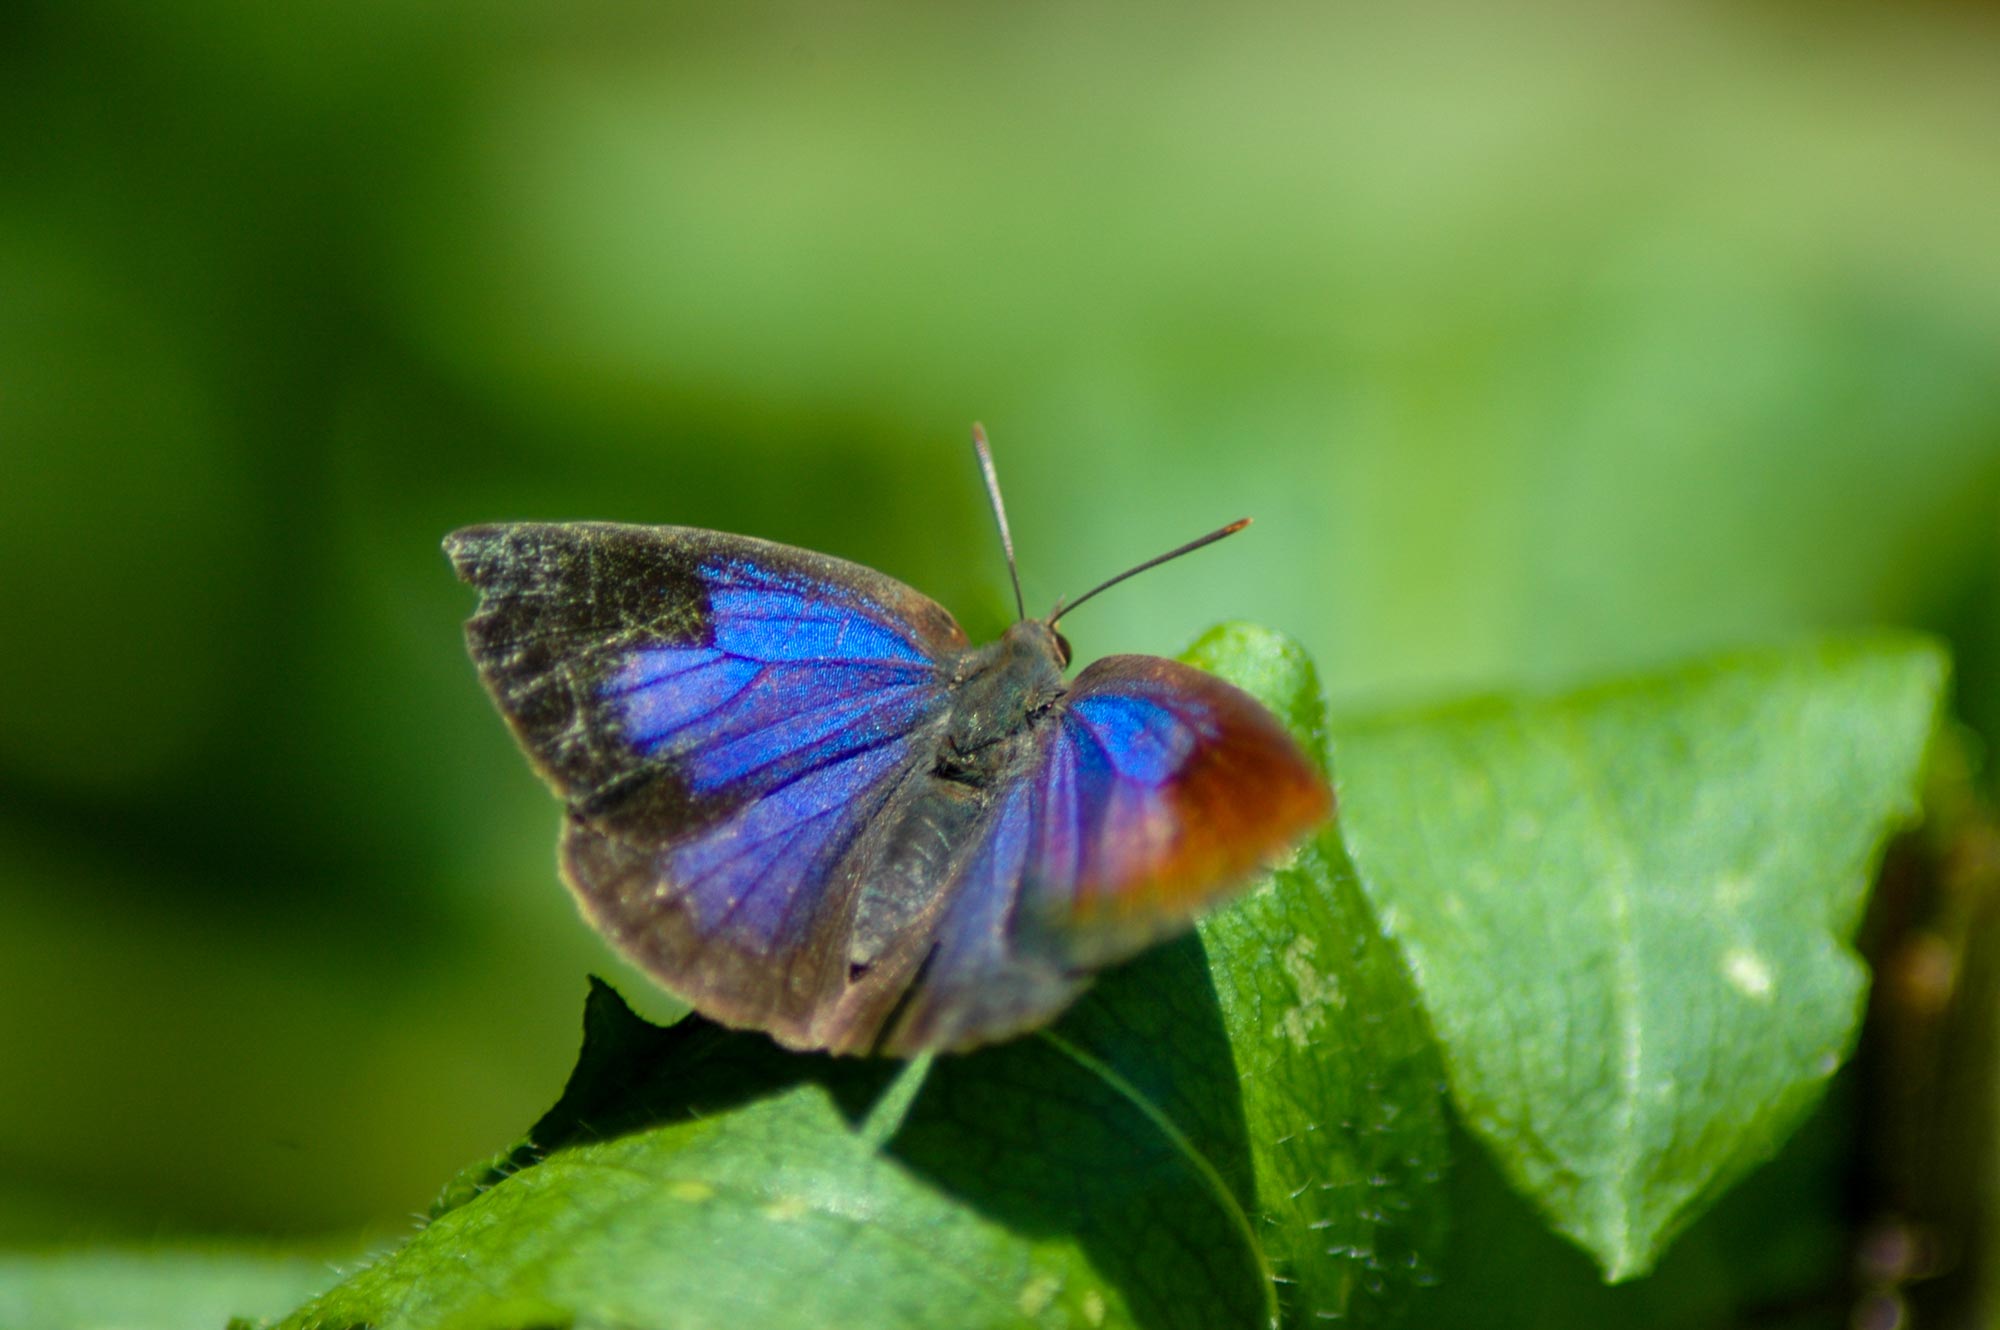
(1240, 803)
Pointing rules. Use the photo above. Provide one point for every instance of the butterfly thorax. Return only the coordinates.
(998, 691)
(999, 694)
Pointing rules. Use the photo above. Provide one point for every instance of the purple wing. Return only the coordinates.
(724, 717)
(1157, 790)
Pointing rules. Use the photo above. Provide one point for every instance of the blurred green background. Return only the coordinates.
(1543, 341)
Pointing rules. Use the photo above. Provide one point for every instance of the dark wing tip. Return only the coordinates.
(477, 552)
(462, 546)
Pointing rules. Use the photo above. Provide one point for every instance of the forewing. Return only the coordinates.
(724, 717)
(1155, 791)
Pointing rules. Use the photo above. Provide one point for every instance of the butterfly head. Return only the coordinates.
(1036, 639)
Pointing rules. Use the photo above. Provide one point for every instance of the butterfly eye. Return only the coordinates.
(1062, 647)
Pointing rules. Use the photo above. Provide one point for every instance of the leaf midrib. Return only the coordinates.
(1203, 1168)
(1628, 1015)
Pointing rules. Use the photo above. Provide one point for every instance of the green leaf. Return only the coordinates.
(1629, 911)
(1238, 1129)
(695, 1176)
(1339, 1076)
(165, 1289)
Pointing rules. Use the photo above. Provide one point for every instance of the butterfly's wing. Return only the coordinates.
(1155, 790)
(724, 717)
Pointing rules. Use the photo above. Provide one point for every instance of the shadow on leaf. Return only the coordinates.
(1097, 1173)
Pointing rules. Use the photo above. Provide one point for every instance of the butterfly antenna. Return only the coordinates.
(985, 452)
(1064, 607)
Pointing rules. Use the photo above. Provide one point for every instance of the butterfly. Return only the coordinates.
(801, 800)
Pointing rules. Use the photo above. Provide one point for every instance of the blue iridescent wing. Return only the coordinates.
(725, 718)
(1155, 791)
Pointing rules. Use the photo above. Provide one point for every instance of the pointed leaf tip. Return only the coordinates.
(1630, 911)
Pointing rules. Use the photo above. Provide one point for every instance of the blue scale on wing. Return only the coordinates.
(1100, 775)
(657, 666)
(1061, 829)
(663, 693)
(793, 720)
(1143, 740)
(1090, 815)
(760, 612)
(786, 625)
(742, 874)
(976, 979)
(798, 708)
